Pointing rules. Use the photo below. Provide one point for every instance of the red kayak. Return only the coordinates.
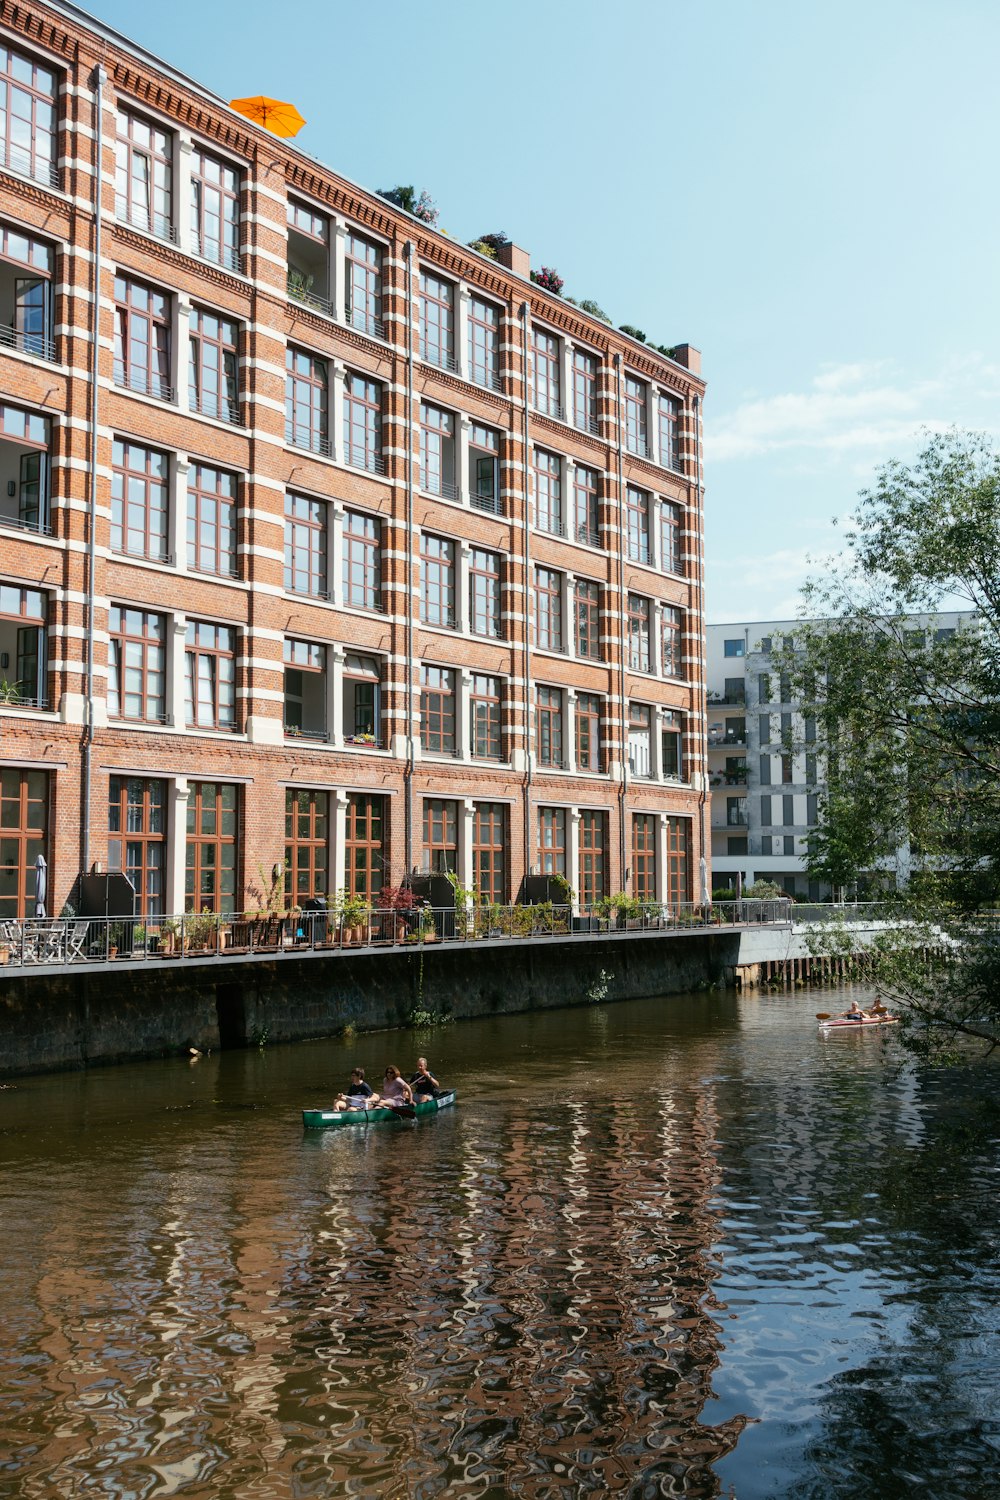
(848, 1023)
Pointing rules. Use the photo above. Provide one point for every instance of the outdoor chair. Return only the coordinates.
(76, 938)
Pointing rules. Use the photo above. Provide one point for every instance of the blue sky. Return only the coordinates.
(804, 191)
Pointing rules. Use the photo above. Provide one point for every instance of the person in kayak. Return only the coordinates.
(855, 1013)
(423, 1082)
(358, 1094)
(396, 1092)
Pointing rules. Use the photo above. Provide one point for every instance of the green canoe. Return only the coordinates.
(325, 1119)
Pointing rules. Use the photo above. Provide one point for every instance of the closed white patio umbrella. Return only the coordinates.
(41, 885)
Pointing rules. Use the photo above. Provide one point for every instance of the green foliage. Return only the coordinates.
(425, 1019)
(490, 244)
(406, 197)
(764, 890)
(594, 309)
(10, 692)
(632, 331)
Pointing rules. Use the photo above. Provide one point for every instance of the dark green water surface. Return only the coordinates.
(683, 1247)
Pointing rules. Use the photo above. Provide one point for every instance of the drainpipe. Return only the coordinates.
(410, 753)
(97, 80)
(526, 594)
(705, 893)
(623, 631)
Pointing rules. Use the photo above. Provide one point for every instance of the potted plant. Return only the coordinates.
(354, 912)
(170, 932)
(428, 928)
(199, 930)
(398, 901)
(626, 908)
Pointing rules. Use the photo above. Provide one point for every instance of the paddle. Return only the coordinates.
(823, 1015)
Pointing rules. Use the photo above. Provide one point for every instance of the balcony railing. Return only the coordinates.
(308, 593)
(553, 525)
(146, 554)
(444, 489)
(364, 458)
(638, 552)
(218, 254)
(585, 422)
(364, 741)
(637, 445)
(371, 601)
(299, 732)
(588, 536)
(488, 378)
(365, 322)
(548, 406)
(158, 225)
(16, 700)
(306, 437)
(27, 164)
(144, 383)
(490, 503)
(18, 523)
(433, 354)
(310, 299)
(210, 404)
(443, 621)
(38, 344)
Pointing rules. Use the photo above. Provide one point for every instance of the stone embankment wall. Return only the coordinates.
(119, 1012)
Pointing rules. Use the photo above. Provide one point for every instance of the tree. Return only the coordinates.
(907, 717)
(405, 197)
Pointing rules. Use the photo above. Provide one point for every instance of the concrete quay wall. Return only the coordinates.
(81, 1016)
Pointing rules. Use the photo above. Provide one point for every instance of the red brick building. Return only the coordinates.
(325, 542)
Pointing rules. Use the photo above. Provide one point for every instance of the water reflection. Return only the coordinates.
(643, 1225)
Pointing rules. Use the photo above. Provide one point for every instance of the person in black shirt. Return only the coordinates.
(423, 1082)
(358, 1094)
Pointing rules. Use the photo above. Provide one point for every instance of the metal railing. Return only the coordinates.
(489, 379)
(158, 225)
(363, 458)
(28, 164)
(212, 404)
(297, 436)
(299, 293)
(365, 322)
(20, 523)
(215, 252)
(144, 383)
(39, 344)
(490, 503)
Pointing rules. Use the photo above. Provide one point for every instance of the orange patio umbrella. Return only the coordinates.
(274, 114)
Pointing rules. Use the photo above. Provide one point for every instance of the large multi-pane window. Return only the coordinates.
(363, 423)
(640, 739)
(210, 675)
(486, 733)
(644, 856)
(591, 879)
(484, 468)
(211, 521)
(677, 884)
(548, 609)
(215, 210)
(669, 420)
(144, 175)
(306, 546)
(437, 709)
(638, 524)
(23, 618)
(584, 390)
(24, 824)
(489, 851)
(672, 739)
(136, 665)
(363, 285)
(437, 451)
(362, 560)
(670, 537)
(307, 844)
(549, 725)
(671, 641)
(362, 710)
(137, 837)
(139, 492)
(26, 267)
(306, 411)
(589, 755)
(636, 440)
(142, 339)
(27, 117)
(484, 593)
(440, 835)
(305, 689)
(437, 581)
(437, 321)
(308, 277)
(212, 846)
(585, 521)
(638, 633)
(364, 846)
(588, 619)
(484, 343)
(213, 367)
(548, 493)
(546, 380)
(552, 840)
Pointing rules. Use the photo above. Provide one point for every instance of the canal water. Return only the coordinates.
(683, 1247)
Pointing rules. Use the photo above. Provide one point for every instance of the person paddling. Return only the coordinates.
(423, 1082)
(396, 1092)
(855, 1013)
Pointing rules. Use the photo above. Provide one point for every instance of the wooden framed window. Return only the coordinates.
(23, 635)
(136, 665)
(592, 876)
(305, 689)
(673, 744)
(637, 505)
(137, 837)
(636, 438)
(546, 377)
(549, 726)
(440, 835)
(363, 423)
(548, 609)
(484, 343)
(362, 560)
(306, 415)
(437, 321)
(552, 841)
(215, 210)
(362, 692)
(549, 514)
(640, 741)
(24, 827)
(144, 175)
(588, 619)
(142, 339)
(485, 593)
(584, 391)
(677, 885)
(669, 418)
(210, 676)
(437, 709)
(213, 374)
(211, 521)
(437, 452)
(365, 846)
(644, 856)
(212, 847)
(671, 641)
(670, 538)
(489, 851)
(363, 285)
(139, 499)
(484, 469)
(485, 711)
(28, 94)
(437, 581)
(589, 750)
(585, 502)
(28, 293)
(638, 633)
(306, 546)
(307, 844)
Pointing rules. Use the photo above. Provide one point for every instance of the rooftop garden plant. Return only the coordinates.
(421, 206)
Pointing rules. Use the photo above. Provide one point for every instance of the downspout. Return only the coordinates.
(623, 629)
(410, 752)
(526, 593)
(97, 80)
(704, 893)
